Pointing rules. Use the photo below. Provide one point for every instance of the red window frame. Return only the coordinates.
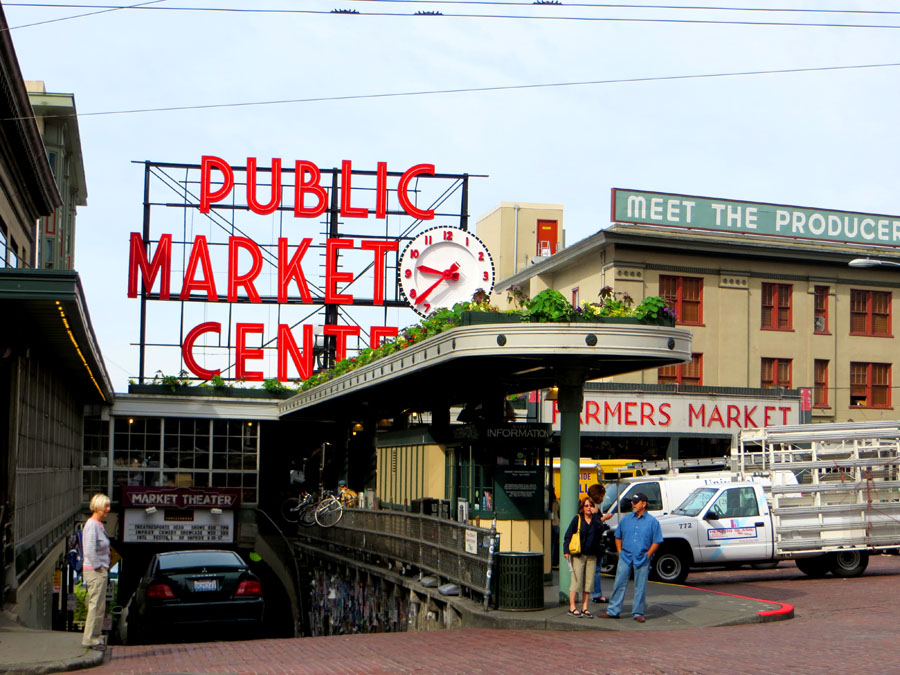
(683, 373)
(821, 294)
(776, 373)
(777, 307)
(685, 296)
(870, 313)
(820, 380)
(870, 385)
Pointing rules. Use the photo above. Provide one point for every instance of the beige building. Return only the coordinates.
(767, 291)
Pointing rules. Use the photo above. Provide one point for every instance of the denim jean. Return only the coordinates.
(623, 573)
(598, 576)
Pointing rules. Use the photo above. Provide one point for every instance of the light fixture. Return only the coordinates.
(414, 417)
(552, 393)
(872, 262)
(150, 510)
(384, 423)
(130, 420)
(357, 427)
(216, 512)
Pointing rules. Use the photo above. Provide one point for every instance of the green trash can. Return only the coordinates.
(520, 581)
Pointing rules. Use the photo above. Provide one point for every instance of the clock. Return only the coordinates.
(443, 266)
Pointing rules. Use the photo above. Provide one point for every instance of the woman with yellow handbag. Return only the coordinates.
(583, 543)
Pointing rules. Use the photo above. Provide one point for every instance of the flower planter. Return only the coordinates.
(646, 321)
(478, 318)
(190, 390)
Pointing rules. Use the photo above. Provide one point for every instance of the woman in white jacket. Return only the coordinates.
(95, 570)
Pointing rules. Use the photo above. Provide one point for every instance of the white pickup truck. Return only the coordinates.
(846, 504)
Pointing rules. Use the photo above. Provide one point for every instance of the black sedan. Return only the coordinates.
(200, 588)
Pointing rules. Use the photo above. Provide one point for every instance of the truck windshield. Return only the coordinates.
(695, 501)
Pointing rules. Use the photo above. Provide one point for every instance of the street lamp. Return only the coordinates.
(872, 262)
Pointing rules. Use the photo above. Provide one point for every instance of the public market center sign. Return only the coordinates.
(728, 215)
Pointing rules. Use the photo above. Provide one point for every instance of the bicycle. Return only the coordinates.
(329, 510)
(300, 509)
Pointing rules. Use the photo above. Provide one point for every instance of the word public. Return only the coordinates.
(307, 182)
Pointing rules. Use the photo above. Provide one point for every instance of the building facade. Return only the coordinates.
(769, 311)
(57, 121)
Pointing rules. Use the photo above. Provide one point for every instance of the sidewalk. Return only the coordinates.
(24, 650)
(27, 650)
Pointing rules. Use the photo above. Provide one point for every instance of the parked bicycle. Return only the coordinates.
(300, 509)
(329, 510)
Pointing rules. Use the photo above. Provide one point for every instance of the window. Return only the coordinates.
(776, 306)
(654, 498)
(820, 318)
(683, 373)
(735, 503)
(576, 297)
(870, 313)
(685, 296)
(870, 385)
(776, 373)
(820, 390)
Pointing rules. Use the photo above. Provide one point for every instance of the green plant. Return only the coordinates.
(548, 305)
(516, 296)
(217, 381)
(653, 307)
(172, 382)
(273, 385)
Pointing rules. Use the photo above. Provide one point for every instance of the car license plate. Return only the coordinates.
(204, 585)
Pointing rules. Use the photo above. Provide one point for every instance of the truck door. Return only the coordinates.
(733, 528)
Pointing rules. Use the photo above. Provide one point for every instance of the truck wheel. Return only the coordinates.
(770, 565)
(608, 566)
(815, 567)
(670, 565)
(849, 564)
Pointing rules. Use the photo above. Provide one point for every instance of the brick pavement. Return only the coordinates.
(839, 624)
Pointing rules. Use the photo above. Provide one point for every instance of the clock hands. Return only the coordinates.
(428, 270)
(448, 274)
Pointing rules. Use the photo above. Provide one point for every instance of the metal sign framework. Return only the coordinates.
(171, 205)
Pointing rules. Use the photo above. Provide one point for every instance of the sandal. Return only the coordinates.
(574, 612)
(587, 613)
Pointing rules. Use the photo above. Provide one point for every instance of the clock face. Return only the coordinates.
(443, 266)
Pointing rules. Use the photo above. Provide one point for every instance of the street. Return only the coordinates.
(839, 624)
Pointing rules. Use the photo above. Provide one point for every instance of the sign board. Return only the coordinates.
(259, 288)
(728, 215)
(519, 492)
(471, 542)
(200, 526)
(674, 413)
(180, 498)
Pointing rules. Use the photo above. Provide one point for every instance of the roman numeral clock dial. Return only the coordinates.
(443, 266)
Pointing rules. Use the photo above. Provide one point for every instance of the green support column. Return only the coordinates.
(570, 401)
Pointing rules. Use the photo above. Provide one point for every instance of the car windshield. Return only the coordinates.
(182, 559)
(695, 501)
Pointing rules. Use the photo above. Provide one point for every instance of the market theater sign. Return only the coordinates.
(309, 200)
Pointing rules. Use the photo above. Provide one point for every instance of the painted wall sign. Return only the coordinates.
(669, 413)
(728, 215)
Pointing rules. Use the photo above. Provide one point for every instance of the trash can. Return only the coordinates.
(520, 581)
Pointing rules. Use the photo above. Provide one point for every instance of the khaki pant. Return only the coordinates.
(95, 580)
(583, 568)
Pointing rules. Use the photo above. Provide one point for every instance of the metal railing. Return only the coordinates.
(452, 551)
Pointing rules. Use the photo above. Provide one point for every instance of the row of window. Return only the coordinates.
(870, 383)
(870, 311)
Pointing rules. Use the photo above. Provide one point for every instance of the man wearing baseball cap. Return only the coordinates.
(637, 538)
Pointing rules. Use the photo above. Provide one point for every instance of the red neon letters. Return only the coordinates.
(307, 180)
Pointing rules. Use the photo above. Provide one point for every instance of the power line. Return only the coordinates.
(79, 16)
(244, 10)
(471, 90)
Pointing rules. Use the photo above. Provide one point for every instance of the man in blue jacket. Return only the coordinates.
(637, 538)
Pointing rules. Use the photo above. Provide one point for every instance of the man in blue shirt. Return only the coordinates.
(637, 538)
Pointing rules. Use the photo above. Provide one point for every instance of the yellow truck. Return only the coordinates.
(592, 471)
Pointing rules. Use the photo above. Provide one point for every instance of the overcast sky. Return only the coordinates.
(826, 139)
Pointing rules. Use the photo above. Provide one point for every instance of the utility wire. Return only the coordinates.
(79, 16)
(795, 24)
(468, 90)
